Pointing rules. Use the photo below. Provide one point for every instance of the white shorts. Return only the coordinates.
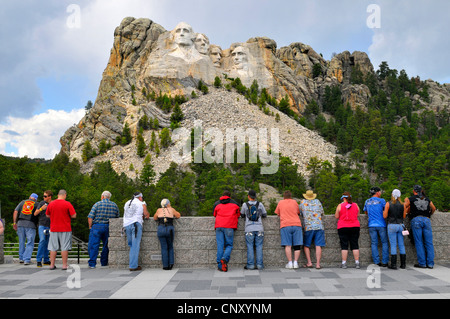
(60, 240)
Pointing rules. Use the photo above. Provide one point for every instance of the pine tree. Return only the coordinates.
(165, 137)
(141, 146)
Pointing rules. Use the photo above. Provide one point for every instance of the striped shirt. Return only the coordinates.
(102, 211)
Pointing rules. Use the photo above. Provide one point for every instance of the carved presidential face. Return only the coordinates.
(239, 57)
(215, 55)
(183, 34)
(202, 43)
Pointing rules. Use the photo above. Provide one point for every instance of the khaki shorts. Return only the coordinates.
(60, 241)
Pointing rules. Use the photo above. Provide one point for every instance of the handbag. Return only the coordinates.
(405, 231)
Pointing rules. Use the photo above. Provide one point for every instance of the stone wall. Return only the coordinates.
(195, 244)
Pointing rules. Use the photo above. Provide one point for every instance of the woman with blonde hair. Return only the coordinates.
(165, 216)
(394, 212)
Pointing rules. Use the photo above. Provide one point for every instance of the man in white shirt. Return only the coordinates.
(133, 218)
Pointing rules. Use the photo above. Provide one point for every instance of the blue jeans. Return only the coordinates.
(374, 233)
(42, 252)
(254, 239)
(134, 235)
(26, 242)
(99, 232)
(423, 240)
(165, 235)
(396, 237)
(224, 240)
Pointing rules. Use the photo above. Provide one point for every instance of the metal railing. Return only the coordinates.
(79, 250)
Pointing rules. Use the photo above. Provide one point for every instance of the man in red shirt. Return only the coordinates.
(226, 212)
(60, 212)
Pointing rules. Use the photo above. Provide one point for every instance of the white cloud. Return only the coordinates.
(38, 136)
(413, 37)
(38, 42)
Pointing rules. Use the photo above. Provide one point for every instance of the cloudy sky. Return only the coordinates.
(53, 52)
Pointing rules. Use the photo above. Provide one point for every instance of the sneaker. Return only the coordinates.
(46, 263)
(344, 266)
(295, 265)
(27, 263)
(39, 264)
(290, 265)
(358, 266)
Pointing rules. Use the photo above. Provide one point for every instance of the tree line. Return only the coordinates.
(392, 144)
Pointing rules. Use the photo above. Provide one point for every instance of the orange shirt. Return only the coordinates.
(289, 213)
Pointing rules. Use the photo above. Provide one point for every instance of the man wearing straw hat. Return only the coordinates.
(312, 211)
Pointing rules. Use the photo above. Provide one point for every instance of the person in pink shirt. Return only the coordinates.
(290, 228)
(348, 228)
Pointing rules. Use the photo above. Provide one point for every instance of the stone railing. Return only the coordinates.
(195, 244)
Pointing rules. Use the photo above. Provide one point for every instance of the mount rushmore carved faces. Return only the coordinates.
(183, 34)
(202, 43)
(183, 37)
(216, 55)
(240, 58)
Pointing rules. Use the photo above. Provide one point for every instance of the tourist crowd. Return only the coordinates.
(51, 219)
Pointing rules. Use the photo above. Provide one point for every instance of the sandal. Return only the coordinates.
(308, 266)
(318, 267)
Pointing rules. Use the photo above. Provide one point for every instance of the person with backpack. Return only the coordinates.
(420, 208)
(227, 212)
(253, 212)
(312, 211)
(24, 222)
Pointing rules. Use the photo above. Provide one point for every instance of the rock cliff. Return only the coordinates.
(147, 60)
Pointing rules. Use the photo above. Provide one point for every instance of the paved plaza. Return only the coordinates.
(81, 282)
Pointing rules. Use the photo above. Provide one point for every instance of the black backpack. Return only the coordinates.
(253, 212)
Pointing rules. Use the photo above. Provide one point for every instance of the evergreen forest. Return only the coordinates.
(393, 143)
